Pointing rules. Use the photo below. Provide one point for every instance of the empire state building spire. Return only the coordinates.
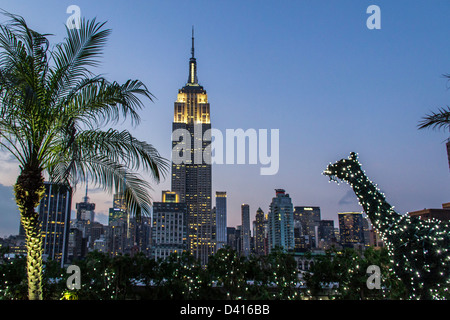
(192, 49)
(192, 65)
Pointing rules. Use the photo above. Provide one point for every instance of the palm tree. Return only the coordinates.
(438, 120)
(52, 109)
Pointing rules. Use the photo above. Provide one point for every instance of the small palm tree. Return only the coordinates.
(438, 120)
(52, 109)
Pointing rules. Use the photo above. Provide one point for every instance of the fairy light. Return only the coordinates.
(418, 248)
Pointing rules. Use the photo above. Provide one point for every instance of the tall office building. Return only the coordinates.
(169, 230)
(260, 233)
(309, 219)
(118, 220)
(54, 215)
(84, 222)
(85, 209)
(77, 246)
(326, 236)
(231, 237)
(351, 227)
(191, 162)
(281, 222)
(245, 216)
(221, 219)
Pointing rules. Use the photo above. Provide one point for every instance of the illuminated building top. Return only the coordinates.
(192, 104)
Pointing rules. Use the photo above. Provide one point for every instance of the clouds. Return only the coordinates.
(348, 199)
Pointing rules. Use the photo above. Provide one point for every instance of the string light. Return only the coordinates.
(418, 248)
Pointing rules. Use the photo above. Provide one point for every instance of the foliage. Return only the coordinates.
(437, 120)
(180, 276)
(228, 276)
(343, 275)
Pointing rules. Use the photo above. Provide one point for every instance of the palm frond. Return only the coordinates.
(122, 147)
(436, 120)
(80, 51)
(109, 175)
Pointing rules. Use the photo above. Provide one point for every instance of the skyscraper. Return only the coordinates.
(90, 230)
(54, 215)
(118, 225)
(191, 162)
(326, 234)
(221, 219)
(169, 228)
(260, 233)
(281, 222)
(85, 209)
(351, 228)
(309, 219)
(245, 216)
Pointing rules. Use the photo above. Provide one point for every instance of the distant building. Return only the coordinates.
(309, 219)
(77, 247)
(118, 222)
(245, 217)
(231, 238)
(170, 223)
(439, 214)
(16, 245)
(351, 228)
(326, 236)
(85, 209)
(374, 239)
(100, 244)
(94, 231)
(144, 236)
(221, 219)
(301, 242)
(260, 233)
(281, 222)
(54, 215)
(84, 230)
(238, 239)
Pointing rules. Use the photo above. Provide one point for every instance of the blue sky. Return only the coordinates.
(311, 69)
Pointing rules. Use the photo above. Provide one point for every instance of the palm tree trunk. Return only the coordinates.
(448, 151)
(29, 190)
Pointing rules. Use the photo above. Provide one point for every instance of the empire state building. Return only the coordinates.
(191, 178)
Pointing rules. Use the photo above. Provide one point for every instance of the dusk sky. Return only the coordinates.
(311, 69)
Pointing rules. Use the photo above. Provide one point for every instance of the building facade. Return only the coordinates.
(260, 233)
(169, 226)
(117, 231)
(439, 214)
(221, 219)
(281, 222)
(54, 216)
(85, 209)
(307, 223)
(245, 217)
(191, 162)
(351, 227)
(326, 238)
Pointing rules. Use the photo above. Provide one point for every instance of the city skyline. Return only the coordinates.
(313, 71)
